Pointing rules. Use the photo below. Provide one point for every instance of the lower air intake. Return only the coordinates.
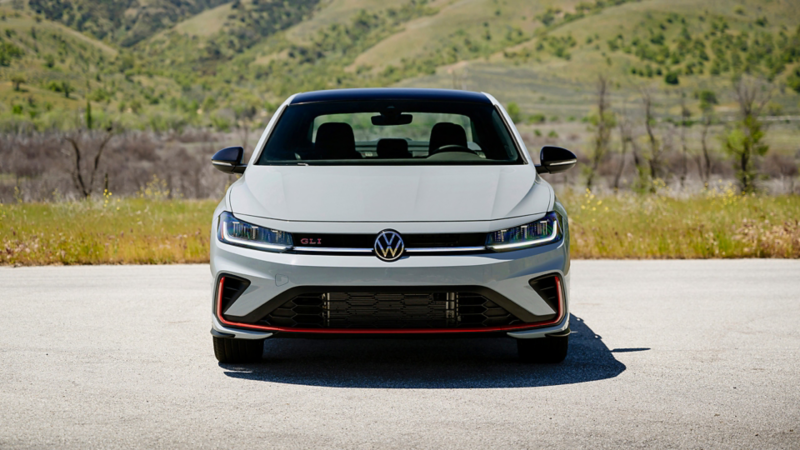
(389, 310)
(548, 288)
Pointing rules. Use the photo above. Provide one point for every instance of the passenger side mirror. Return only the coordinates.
(555, 160)
(229, 160)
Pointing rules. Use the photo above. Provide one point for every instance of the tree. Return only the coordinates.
(744, 141)
(685, 115)
(17, 81)
(625, 138)
(707, 101)
(654, 158)
(66, 88)
(88, 115)
(80, 141)
(244, 115)
(602, 123)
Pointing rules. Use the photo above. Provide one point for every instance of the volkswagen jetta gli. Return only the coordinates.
(390, 212)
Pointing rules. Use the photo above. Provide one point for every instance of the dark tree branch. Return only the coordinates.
(77, 174)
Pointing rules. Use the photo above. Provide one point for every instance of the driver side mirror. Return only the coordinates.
(555, 160)
(229, 160)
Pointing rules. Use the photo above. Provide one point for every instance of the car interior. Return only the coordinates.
(439, 134)
(336, 140)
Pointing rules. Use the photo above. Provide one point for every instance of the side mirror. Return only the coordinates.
(229, 160)
(556, 159)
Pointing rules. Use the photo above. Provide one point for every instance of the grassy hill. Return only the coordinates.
(162, 64)
(124, 22)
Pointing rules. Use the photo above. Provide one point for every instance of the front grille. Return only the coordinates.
(389, 310)
(451, 240)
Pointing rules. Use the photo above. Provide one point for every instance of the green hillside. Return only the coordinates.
(124, 22)
(162, 64)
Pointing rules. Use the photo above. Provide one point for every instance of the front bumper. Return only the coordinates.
(273, 274)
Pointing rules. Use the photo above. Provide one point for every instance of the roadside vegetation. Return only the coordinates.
(714, 224)
(106, 231)
(150, 230)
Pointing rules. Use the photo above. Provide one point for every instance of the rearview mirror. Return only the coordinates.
(555, 160)
(392, 119)
(229, 160)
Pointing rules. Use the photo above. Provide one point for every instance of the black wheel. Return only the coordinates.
(236, 351)
(546, 350)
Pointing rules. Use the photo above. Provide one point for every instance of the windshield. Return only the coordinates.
(390, 132)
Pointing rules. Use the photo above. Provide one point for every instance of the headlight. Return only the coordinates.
(543, 231)
(235, 232)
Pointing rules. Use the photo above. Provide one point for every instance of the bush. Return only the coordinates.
(514, 112)
(793, 81)
(9, 51)
(54, 86)
(671, 78)
(707, 99)
(99, 95)
(537, 118)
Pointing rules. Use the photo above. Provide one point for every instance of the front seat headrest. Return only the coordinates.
(446, 133)
(393, 148)
(335, 140)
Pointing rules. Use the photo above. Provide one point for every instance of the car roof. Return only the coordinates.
(365, 94)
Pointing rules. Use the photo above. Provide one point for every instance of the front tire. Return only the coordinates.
(237, 351)
(546, 350)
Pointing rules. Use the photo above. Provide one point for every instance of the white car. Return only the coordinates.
(390, 212)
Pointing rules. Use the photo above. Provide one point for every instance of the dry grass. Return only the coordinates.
(159, 231)
(131, 231)
(712, 225)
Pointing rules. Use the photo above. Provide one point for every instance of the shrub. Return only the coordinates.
(99, 95)
(514, 112)
(793, 81)
(671, 78)
(54, 86)
(9, 51)
(537, 118)
(707, 99)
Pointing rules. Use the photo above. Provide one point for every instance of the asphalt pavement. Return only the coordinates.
(665, 354)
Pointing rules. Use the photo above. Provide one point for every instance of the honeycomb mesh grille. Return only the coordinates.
(389, 310)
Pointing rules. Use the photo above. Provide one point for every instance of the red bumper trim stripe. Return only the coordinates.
(251, 326)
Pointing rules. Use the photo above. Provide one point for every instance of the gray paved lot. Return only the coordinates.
(690, 354)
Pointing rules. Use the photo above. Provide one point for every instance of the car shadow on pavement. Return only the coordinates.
(427, 363)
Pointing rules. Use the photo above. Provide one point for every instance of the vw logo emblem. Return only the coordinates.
(389, 245)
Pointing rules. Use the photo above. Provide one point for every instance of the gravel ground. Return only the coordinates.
(689, 354)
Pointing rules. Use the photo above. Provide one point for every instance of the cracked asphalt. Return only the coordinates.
(678, 354)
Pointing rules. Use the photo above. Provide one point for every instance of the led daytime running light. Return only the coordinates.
(236, 232)
(529, 235)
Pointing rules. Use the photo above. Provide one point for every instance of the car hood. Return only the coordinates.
(389, 193)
